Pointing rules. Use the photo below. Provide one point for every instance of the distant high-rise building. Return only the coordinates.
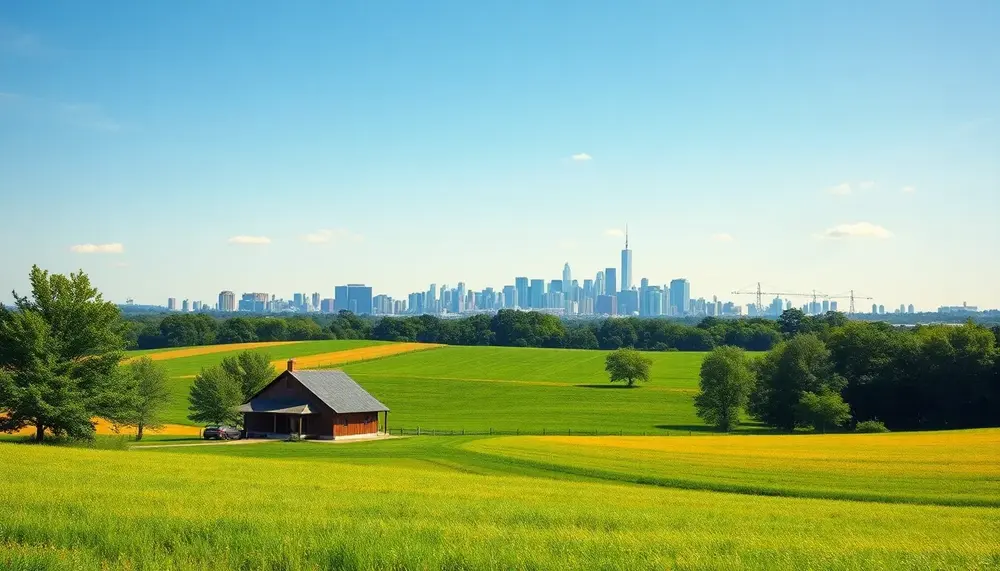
(826, 305)
(356, 298)
(171, 304)
(326, 305)
(227, 301)
(874, 309)
(833, 306)
(902, 308)
(255, 302)
(431, 300)
(298, 300)
(610, 281)
(628, 302)
(599, 287)
(521, 285)
(651, 304)
(606, 305)
(910, 309)
(680, 296)
(881, 310)
(185, 306)
(315, 301)
(567, 282)
(509, 297)
(536, 294)
(626, 265)
(195, 306)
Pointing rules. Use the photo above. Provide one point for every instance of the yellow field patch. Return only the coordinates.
(354, 355)
(209, 349)
(104, 427)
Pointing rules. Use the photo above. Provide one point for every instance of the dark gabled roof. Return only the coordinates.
(339, 391)
(276, 406)
(334, 388)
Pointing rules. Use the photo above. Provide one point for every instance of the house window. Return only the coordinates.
(345, 420)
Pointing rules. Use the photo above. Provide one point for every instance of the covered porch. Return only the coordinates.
(275, 419)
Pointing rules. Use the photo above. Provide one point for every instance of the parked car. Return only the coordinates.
(221, 433)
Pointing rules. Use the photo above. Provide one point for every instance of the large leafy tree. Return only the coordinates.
(59, 351)
(799, 365)
(628, 366)
(726, 383)
(251, 371)
(144, 396)
(215, 396)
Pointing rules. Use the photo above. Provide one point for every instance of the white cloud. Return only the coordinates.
(842, 189)
(327, 236)
(722, 237)
(866, 185)
(581, 157)
(615, 233)
(114, 248)
(857, 230)
(908, 189)
(250, 240)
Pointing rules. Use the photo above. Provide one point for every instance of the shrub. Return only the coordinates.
(871, 426)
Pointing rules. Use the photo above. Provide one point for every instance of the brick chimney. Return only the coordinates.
(291, 365)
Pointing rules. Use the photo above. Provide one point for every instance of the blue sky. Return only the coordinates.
(806, 145)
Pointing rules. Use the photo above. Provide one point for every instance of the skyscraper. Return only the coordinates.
(610, 281)
(315, 301)
(567, 282)
(509, 297)
(626, 265)
(680, 296)
(356, 298)
(536, 294)
(910, 309)
(522, 299)
(171, 304)
(185, 306)
(599, 284)
(227, 301)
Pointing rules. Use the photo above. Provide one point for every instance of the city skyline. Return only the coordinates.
(401, 145)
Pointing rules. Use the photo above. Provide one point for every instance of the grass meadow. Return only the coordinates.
(509, 389)
(432, 503)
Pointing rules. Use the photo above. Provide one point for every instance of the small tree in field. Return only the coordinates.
(215, 397)
(628, 366)
(144, 396)
(823, 409)
(726, 384)
(252, 370)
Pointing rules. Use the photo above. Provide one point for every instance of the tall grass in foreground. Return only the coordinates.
(86, 509)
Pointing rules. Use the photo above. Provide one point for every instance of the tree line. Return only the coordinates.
(505, 328)
(865, 374)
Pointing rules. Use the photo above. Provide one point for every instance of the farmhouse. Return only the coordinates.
(314, 404)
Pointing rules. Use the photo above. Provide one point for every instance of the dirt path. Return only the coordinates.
(354, 355)
(209, 349)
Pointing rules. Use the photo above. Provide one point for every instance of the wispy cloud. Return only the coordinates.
(722, 237)
(19, 42)
(842, 189)
(81, 115)
(857, 230)
(87, 116)
(250, 240)
(614, 233)
(113, 248)
(908, 189)
(581, 157)
(330, 236)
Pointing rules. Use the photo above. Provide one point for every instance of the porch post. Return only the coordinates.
(300, 426)
(275, 417)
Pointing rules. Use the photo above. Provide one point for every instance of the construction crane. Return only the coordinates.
(760, 295)
(851, 297)
(814, 295)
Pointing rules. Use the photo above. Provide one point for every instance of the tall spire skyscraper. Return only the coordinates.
(626, 264)
(567, 283)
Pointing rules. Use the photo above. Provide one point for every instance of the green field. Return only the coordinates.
(509, 389)
(438, 502)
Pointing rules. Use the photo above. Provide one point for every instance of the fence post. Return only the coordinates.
(543, 432)
(491, 431)
(418, 431)
(463, 432)
(569, 432)
(621, 432)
